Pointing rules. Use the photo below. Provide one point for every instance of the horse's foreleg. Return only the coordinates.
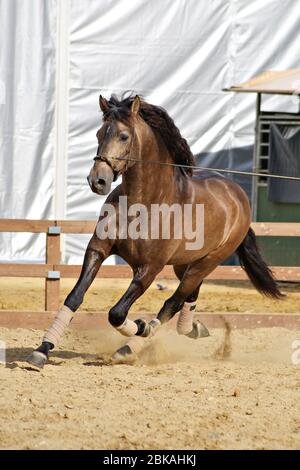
(136, 344)
(96, 252)
(143, 277)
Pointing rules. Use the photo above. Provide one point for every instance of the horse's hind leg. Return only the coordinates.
(187, 291)
(185, 324)
(95, 254)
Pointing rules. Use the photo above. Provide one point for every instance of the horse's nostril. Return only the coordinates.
(101, 181)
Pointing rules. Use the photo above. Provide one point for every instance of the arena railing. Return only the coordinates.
(53, 270)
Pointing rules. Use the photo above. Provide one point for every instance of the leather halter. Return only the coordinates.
(108, 162)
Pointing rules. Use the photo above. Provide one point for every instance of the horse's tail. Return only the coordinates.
(256, 268)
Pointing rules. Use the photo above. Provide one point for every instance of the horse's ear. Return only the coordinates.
(136, 104)
(103, 103)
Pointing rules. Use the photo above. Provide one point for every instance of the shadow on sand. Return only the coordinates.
(15, 356)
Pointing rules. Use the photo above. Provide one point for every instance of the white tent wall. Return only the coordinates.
(176, 53)
(156, 48)
(27, 84)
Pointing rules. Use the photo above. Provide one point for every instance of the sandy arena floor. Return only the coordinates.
(214, 393)
(236, 390)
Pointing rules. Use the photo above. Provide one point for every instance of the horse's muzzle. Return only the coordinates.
(100, 178)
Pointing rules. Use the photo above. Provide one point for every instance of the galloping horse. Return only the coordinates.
(141, 142)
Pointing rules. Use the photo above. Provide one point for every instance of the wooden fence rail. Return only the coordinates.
(52, 270)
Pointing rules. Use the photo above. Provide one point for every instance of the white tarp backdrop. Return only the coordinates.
(57, 56)
(27, 106)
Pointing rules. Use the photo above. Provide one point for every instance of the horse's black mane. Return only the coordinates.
(158, 119)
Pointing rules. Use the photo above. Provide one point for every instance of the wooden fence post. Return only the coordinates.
(52, 281)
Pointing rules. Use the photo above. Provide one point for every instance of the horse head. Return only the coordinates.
(116, 143)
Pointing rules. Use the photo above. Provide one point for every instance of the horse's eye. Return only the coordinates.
(123, 137)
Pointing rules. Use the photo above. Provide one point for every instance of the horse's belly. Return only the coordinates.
(183, 255)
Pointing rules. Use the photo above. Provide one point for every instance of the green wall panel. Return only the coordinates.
(278, 251)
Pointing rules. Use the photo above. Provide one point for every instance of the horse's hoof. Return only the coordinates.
(199, 331)
(147, 330)
(37, 359)
(124, 355)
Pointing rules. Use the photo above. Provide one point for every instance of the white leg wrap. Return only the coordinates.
(137, 343)
(61, 322)
(185, 319)
(128, 328)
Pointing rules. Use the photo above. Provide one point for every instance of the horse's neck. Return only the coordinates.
(150, 182)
